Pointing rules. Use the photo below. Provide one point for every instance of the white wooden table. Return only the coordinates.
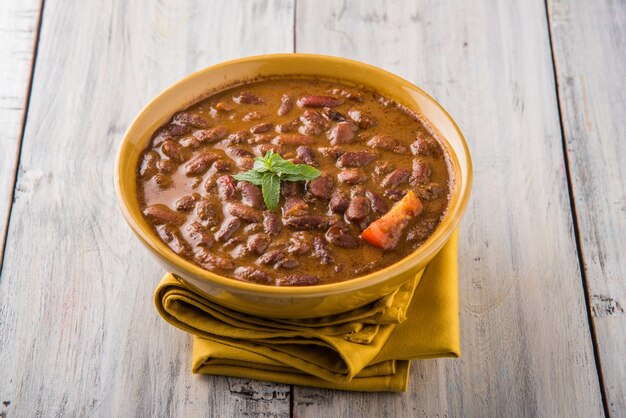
(537, 87)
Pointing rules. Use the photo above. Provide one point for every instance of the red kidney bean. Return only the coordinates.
(322, 251)
(184, 118)
(341, 133)
(252, 275)
(239, 137)
(311, 116)
(382, 168)
(271, 223)
(295, 206)
(166, 166)
(297, 280)
(338, 202)
(310, 129)
(148, 167)
(258, 243)
(221, 166)
(386, 143)
(351, 176)
(306, 222)
(355, 159)
(321, 187)
(206, 212)
(271, 257)
(289, 188)
(340, 237)
(396, 178)
(331, 152)
(226, 188)
(293, 139)
(199, 235)
(362, 120)
(287, 127)
(424, 146)
(251, 116)
(394, 194)
(174, 151)
(431, 191)
(164, 181)
(174, 239)
(286, 263)
(378, 204)
(318, 101)
(421, 171)
(286, 104)
(333, 115)
(212, 261)
(261, 128)
(187, 203)
(200, 164)
(358, 209)
(250, 194)
(307, 155)
(211, 135)
(245, 97)
(227, 229)
(243, 212)
(159, 214)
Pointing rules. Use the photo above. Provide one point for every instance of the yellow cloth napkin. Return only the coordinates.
(365, 349)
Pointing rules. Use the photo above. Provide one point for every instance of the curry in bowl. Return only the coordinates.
(294, 181)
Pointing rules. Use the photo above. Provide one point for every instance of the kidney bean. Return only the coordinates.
(250, 194)
(206, 212)
(184, 118)
(293, 139)
(169, 132)
(395, 178)
(313, 117)
(341, 238)
(174, 151)
(221, 166)
(227, 229)
(387, 143)
(226, 187)
(351, 176)
(245, 163)
(311, 129)
(431, 191)
(262, 149)
(289, 188)
(159, 214)
(378, 204)
(251, 116)
(362, 120)
(338, 202)
(258, 243)
(243, 212)
(358, 209)
(382, 168)
(318, 101)
(322, 251)
(295, 206)
(187, 203)
(211, 135)
(305, 222)
(199, 235)
(331, 152)
(271, 223)
(200, 164)
(239, 137)
(298, 280)
(148, 167)
(166, 166)
(355, 159)
(299, 243)
(261, 128)
(174, 239)
(321, 187)
(271, 257)
(286, 263)
(333, 115)
(245, 97)
(287, 127)
(212, 261)
(286, 104)
(252, 275)
(394, 194)
(424, 146)
(341, 133)
(164, 181)
(421, 171)
(350, 95)
(307, 155)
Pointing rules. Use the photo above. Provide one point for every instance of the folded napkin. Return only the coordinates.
(366, 349)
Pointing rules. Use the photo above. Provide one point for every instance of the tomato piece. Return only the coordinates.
(385, 232)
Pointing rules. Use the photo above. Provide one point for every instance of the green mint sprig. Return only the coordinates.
(268, 171)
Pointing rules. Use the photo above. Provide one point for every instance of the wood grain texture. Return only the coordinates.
(526, 342)
(18, 32)
(79, 335)
(589, 41)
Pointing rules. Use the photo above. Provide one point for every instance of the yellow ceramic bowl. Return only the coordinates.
(291, 302)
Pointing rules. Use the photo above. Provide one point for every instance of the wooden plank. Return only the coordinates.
(19, 21)
(79, 335)
(526, 343)
(589, 39)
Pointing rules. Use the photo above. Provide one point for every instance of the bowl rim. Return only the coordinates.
(426, 251)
